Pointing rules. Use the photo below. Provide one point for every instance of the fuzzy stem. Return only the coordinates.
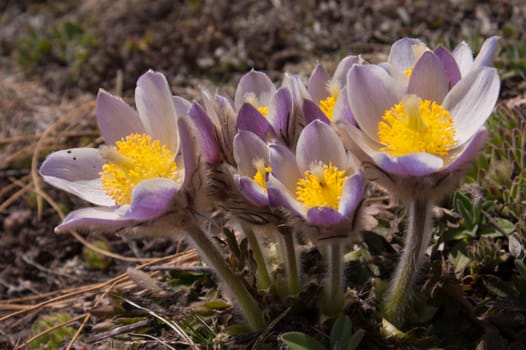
(287, 241)
(211, 255)
(263, 279)
(333, 298)
(419, 229)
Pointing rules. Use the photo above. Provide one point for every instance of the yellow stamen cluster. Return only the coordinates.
(327, 105)
(416, 125)
(408, 71)
(253, 100)
(322, 185)
(261, 173)
(132, 160)
(263, 110)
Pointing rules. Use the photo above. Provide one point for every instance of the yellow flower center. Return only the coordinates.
(253, 100)
(261, 173)
(322, 185)
(327, 105)
(132, 160)
(408, 71)
(416, 125)
(263, 110)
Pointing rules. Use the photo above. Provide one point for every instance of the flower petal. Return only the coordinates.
(251, 191)
(469, 151)
(108, 218)
(340, 74)
(317, 85)
(207, 134)
(324, 216)
(464, 57)
(428, 79)
(156, 108)
(151, 198)
(280, 112)
(472, 100)
(371, 91)
(77, 171)
(313, 112)
(402, 54)
(248, 147)
(257, 83)
(115, 118)
(182, 105)
(352, 195)
(450, 65)
(249, 118)
(283, 164)
(413, 164)
(280, 195)
(342, 110)
(487, 52)
(188, 150)
(319, 142)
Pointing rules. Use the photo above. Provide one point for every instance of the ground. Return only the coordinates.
(150, 293)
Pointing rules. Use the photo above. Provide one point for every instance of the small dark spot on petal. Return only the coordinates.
(74, 158)
(68, 151)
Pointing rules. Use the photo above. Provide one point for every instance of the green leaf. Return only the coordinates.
(301, 341)
(515, 246)
(506, 225)
(341, 332)
(355, 340)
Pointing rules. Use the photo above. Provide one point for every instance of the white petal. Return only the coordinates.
(77, 171)
(156, 108)
(464, 57)
(472, 100)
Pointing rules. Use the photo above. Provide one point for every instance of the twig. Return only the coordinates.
(117, 331)
(174, 326)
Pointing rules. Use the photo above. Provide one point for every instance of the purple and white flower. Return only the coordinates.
(143, 168)
(420, 129)
(328, 96)
(321, 182)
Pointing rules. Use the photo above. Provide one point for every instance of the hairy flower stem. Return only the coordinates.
(419, 229)
(333, 296)
(263, 279)
(234, 283)
(288, 244)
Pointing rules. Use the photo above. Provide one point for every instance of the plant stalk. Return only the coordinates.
(212, 256)
(263, 279)
(288, 243)
(333, 294)
(400, 291)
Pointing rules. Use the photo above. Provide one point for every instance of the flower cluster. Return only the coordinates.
(288, 163)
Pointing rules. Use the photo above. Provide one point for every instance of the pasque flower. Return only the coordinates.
(458, 63)
(327, 100)
(147, 168)
(416, 134)
(143, 168)
(321, 182)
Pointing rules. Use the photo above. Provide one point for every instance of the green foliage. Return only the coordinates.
(340, 338)
(53, 339)
(95, 260)
(301, 341)
(501, 170)
(64, 43)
